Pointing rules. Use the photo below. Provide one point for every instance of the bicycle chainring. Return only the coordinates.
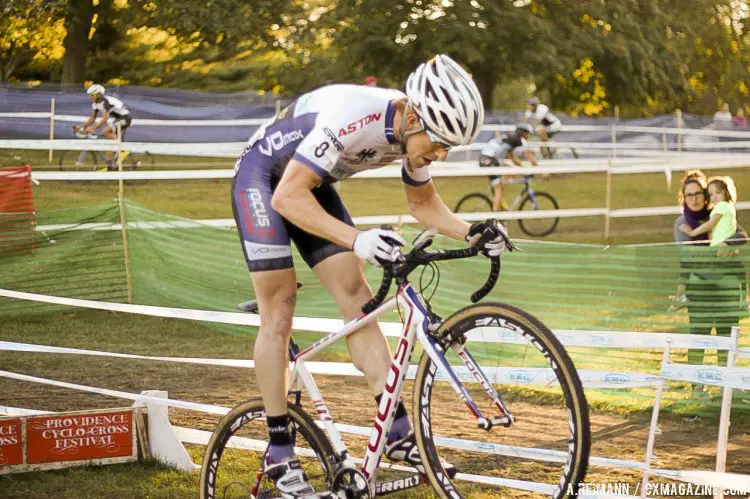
(350, 483)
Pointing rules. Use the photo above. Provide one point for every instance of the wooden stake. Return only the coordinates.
(123, 221)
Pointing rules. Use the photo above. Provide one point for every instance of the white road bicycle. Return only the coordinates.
(532, 423)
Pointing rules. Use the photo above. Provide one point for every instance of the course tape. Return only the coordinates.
(487, 127)
(728, 377)
(499, 375)
(229, 223)
(455, 443)
(485, 334)
(726, 480)
(439, 169)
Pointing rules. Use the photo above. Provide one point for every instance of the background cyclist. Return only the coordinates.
(545, 124)
(282, 192)
(503, 151)
(114, 115)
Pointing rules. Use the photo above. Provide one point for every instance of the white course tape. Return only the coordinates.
(618, 128)
(455, 443)
(229, 223)
(498, 375)
(731, 377)
(485, 334)
(16, 411)
(193, 406)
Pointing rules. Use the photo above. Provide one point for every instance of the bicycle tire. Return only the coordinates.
(477, 197)
(526, 226)
(579, 442)
(234, 421)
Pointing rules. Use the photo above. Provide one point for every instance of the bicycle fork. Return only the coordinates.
(438, 358)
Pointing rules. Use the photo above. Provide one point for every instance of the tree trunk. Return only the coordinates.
(485, 81)
(78, 17)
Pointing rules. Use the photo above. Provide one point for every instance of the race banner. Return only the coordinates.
(59, 440)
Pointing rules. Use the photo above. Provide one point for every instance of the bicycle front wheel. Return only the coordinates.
(473, 203)
(545, 451)
(233, 462)
(538, 227)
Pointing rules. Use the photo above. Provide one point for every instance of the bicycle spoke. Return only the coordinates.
(233, 463)
(545, 441)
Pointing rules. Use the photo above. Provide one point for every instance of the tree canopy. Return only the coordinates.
(646, 56)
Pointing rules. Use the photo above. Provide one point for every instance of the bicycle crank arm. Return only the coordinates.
(488, 424)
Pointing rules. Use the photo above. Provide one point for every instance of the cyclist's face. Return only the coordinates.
(421, 150)
(96, 97)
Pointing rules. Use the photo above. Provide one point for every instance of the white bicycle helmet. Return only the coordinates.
(447, 100)
(95, 89)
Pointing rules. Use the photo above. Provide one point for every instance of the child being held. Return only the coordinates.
(723, 221)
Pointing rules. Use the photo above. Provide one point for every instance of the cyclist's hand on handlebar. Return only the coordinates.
(491, 237)
(378, 246)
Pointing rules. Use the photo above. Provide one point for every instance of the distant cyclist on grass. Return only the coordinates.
(114, 115)
(504, 151)
(545, 124)
(283, 192)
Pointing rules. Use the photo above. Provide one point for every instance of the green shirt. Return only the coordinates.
(727, 226)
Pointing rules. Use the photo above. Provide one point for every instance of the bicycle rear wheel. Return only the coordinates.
(232, 465)
(538, 227)
(473, 203)
(545, 452)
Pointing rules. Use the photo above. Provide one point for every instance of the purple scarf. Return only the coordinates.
(695, 218)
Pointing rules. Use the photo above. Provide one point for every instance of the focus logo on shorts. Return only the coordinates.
(277, 140)
(259, 212)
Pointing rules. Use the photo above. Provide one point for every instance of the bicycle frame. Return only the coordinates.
(526, 190)
(417, 326)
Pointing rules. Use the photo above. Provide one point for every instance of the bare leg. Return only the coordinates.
(497, 200)
(276, 291)
(344, 278)
(108, 133)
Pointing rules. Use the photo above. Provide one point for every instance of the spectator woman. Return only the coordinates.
(713, 288)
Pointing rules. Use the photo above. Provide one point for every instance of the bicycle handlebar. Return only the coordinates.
(418, 257)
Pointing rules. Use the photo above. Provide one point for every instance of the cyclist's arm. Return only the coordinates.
(86, 123)
(531, 157)
(102, 122)
(515, 159)
(426, 205)
(294, 200)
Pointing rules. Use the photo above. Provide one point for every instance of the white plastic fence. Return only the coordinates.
(728, 377)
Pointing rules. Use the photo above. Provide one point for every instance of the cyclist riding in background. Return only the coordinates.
(283, 192)
(114, 115)
(544, 122)
(503, 151)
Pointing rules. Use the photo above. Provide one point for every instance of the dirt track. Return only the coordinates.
(683, 444)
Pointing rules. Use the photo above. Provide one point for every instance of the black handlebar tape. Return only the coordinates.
(491, 280)
(385, 286)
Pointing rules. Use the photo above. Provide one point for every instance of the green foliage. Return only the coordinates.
(647, 56)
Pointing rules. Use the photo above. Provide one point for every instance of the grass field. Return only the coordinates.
(685, 443)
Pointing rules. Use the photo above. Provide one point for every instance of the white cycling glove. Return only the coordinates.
(495, 235)
(377, 246)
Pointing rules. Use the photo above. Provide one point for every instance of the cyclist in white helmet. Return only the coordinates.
(114, 115)
(282, 192)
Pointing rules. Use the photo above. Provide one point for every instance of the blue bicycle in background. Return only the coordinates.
(527, 200)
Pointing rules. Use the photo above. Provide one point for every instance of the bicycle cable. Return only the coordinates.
(434, 277)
